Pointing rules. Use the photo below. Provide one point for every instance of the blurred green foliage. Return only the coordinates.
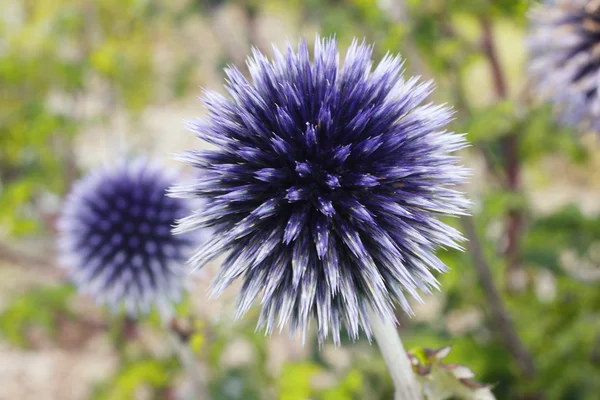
(151, 373)
(56, 53)
(39, 308)
(52, 52)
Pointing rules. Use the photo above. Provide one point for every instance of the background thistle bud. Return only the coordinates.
(564, 47)
(115, 239)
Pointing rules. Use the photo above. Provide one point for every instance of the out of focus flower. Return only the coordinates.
(564, 47)
(115, 237)
(325, 186)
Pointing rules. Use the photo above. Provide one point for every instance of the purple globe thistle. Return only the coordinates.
(325, 187)
(115, 237)
(564, 48)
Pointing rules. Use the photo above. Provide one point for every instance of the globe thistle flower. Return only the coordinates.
(325, 187)
(564, 47)
(115, 237)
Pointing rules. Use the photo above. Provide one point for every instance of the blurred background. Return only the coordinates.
(81, 80)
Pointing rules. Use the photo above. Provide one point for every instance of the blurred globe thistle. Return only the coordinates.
(115, 237)
(564, 48)
(325, 186)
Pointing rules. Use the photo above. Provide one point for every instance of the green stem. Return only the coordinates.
(396, 359)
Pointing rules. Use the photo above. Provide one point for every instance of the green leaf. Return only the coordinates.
(551, 236)
(490, 123)
(148, 373)
(442, 381)
(36, 308)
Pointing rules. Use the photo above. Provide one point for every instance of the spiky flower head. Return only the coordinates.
(325, 186)
(115, 237)
(564, 49)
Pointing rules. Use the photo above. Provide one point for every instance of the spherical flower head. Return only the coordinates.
(325, 186)
(115, 237)
(564, 49)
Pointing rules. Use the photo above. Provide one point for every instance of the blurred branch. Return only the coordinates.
(510, 148)
(489, 48)
(16, 256)
(129, 329)
(500, 315)
(179, 336)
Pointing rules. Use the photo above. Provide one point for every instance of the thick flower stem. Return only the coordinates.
(396, 359)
